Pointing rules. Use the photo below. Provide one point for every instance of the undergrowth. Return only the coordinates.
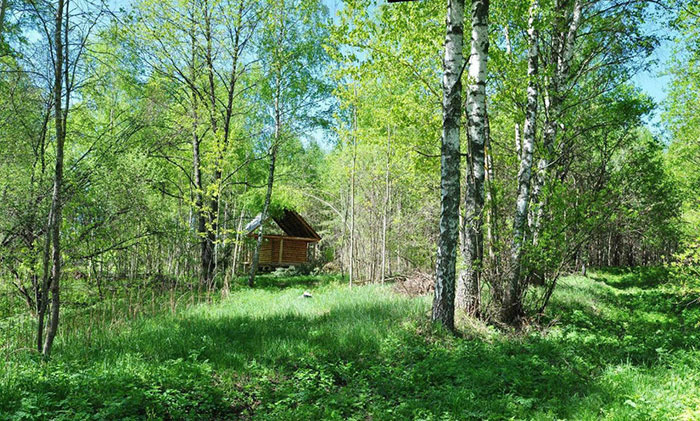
(615, 346)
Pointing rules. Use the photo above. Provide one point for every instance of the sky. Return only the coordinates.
(653, 81)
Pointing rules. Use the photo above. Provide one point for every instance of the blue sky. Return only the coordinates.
(654, 84)
(653, 81)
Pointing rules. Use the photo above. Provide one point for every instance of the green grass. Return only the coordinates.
(614, 349)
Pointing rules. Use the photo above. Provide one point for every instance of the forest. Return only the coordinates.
(349, 209)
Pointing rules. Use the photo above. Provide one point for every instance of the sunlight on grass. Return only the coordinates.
(269, 353)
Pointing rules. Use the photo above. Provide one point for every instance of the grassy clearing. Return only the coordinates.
(616, 349)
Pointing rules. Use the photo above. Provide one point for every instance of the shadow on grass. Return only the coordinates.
(364, 358)
(622, 324)
(361, 354)
(359, 359)
(638, 277)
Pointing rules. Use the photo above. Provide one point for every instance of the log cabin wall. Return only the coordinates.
(289, 249)
(283, 251)
(294, 251)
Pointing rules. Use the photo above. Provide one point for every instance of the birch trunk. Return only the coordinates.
(443, 301)
(563, 53)
(468, 288)
(512, 306)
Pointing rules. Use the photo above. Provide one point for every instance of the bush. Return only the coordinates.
(685, 267)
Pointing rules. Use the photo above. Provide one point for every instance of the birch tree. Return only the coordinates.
(294, 86)
(562, 51)
(512, 305)
(443, 301)
(468, 288)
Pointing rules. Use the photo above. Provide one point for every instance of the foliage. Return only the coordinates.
(365, 352)
(683, 156)
(175, 109)
(685, 268)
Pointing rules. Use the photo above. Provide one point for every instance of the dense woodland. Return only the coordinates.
(479, 152)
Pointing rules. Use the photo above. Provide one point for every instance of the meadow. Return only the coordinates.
(614, 345)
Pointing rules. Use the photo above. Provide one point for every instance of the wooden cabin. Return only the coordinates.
(289, 246)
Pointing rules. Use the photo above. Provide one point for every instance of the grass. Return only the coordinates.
(614, 349)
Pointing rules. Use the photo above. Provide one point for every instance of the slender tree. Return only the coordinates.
(292, 56)
(198, 184)
(353, 173)
(512, 306)
(210, 74)
(444, 299)
(468, 288)
(387, 198)
(563, 45)
(61, 83)
(3, 11)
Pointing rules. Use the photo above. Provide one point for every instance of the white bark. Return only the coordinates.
(512, 306)
(443, 302)
(564, 51)
(468, 288)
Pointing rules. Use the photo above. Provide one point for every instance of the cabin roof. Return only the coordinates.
(290, 222)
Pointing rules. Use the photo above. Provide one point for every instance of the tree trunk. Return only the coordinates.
(443, 301)
(386, 202)
(3, 9)
(270, 182)
(563, 53)
(352, 192)
(56, 205)
(205, 256)
(512, 306)
(202, 232)
(468, 288)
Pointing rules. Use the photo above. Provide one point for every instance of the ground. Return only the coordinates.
(616, 345)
